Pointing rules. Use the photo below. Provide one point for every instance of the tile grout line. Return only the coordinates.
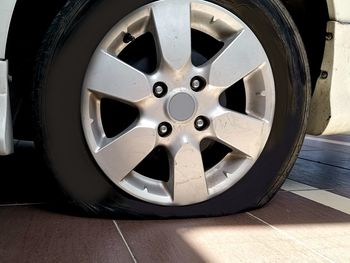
(124, 240)
(323, 163)
(311, 138)
(323, 197)
(306, 190)
(291, 237)
(305, 187)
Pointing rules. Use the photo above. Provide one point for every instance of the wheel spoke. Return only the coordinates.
(172, 30)
(122, 154)
(187, 179)
(240, 56)
(240, 132)
(113, 78)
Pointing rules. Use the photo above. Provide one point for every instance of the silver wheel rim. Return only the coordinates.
(242, 58)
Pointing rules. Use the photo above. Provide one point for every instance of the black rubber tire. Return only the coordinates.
(63, 60)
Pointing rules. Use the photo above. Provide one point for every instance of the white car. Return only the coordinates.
(172, 108)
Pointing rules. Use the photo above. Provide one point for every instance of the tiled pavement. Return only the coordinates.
(290, 229)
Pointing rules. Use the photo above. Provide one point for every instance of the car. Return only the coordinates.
(172, 108)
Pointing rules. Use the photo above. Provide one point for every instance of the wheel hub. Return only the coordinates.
(182, 112)
(181, 106)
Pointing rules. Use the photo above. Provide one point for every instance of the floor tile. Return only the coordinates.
(328, 146)
(320, 228)
(290, 228)
(327, 198)
(290, 185)
(325, 156)
(238, 238)
(340, 137)
(321, 176)
(30, 234)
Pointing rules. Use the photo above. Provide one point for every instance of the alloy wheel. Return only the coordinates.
(178, 68)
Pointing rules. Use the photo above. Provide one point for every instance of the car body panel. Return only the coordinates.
(339, 10)
(329, 110)
(6, 140)
(6, 10)
(6, 137)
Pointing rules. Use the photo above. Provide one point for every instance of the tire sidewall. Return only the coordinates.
(65, 56)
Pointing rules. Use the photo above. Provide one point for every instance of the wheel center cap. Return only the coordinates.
(181, 106)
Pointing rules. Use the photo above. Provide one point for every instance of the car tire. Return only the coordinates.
(64, 64)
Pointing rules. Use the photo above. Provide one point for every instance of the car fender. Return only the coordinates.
(330, 111)
(6, 137)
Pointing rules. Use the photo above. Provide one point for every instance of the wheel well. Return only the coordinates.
(311, 18)
(27, 29)
(29, 25)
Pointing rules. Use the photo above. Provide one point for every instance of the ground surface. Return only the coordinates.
(308, 220)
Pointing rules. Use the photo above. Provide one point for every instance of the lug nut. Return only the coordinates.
(201, 123)
(128, 38)
(160, 89)
(198, 83)
(164, 129)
